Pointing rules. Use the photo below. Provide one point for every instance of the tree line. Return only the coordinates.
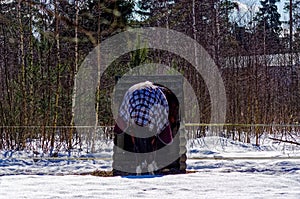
(44, 42)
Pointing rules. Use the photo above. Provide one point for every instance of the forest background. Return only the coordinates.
(44, 42)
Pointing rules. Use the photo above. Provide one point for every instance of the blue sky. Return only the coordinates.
(284, 16)
(246, 5)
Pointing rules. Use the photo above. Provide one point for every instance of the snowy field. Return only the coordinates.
(224, 169)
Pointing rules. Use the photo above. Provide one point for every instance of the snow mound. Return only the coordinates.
(208, 147)
(204, 154)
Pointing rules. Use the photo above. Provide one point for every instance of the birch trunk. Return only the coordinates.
(72, 124)
(23, 111)
(58, 65)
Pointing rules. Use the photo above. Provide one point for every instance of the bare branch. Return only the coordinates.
(286, 141)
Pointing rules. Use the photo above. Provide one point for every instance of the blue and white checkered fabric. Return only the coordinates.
(145, 105)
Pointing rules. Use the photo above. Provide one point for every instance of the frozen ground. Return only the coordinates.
(224, 169)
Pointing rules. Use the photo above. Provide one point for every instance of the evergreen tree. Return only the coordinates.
(268, 27)
(106, 17)
(294, 23)
(295, 13)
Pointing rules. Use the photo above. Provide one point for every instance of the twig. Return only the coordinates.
(286, 141)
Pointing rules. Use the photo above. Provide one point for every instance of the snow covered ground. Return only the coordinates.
(224, 169)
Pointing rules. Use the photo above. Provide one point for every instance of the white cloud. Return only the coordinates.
(248, 5)
(246, 11)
